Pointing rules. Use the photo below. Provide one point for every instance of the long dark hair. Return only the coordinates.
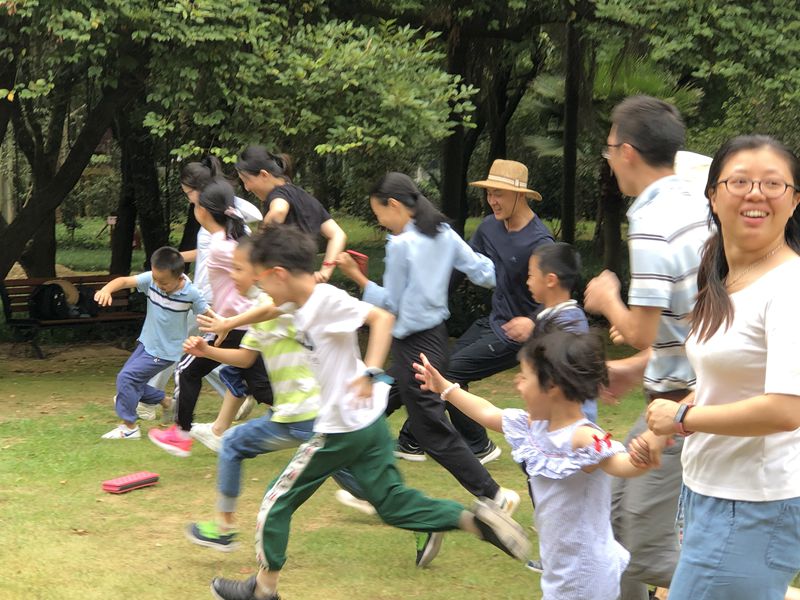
(713, 308)
(217, 199)
(255, 159)
(403, 189)
(197, 175)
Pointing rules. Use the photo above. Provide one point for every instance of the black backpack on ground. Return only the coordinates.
(48, 302)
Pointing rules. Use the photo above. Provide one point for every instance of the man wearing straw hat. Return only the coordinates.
(508, 237)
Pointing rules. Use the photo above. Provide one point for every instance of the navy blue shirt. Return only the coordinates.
(510, 252)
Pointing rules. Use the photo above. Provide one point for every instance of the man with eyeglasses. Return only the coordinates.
(668, 225)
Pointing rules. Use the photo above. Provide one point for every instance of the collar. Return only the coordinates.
(651, 192)
(557, 308)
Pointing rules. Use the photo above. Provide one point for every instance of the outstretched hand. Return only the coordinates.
(430, 379)
(103, 298)
(195, 345)
(211, 322)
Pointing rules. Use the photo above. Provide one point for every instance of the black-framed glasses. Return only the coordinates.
(607, 152)
(770, 188)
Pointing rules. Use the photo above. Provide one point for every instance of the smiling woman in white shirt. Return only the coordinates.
(742, 462)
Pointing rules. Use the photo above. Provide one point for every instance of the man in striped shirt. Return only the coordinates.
(668, 225)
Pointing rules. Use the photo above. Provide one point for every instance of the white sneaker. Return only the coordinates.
(245, 409)
(146, 412)
(121, 432)
(204, 434)
(507, 500)
(348, 499)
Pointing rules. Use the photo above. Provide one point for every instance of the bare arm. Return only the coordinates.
(189, 255)
(756, 416)
(236, 357)
(476, 408)
(103, 296)
(618, 465)
(337, 239)
(278, 210)
(220, 326)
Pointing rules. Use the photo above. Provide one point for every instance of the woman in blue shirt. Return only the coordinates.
(421, 254)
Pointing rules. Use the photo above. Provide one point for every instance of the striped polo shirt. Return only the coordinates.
(668, 224)
(295, 389)
(167, 320)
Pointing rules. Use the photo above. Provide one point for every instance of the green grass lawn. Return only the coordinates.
(62, 537)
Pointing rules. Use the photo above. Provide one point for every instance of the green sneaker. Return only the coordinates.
(428, 546)
(208, 534)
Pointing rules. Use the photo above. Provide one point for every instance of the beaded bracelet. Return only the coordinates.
(447, 391)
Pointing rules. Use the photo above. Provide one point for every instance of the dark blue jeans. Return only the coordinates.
(476, 355)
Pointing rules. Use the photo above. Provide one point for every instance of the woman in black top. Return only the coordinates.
(268, 176)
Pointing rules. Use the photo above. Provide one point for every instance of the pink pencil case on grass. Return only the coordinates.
(126, 483)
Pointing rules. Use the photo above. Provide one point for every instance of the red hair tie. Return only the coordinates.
(598, 442)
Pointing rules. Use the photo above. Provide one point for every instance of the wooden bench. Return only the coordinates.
(15, 294)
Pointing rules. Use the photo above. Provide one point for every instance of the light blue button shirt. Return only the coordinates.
(417, 275)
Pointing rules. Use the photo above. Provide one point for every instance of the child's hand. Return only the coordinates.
(429, 377)
(645, 450)
(102, 297)
(361, 387)
(211, 322)
(196, 346)
(347, 265)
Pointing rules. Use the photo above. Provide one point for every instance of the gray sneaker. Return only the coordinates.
(499, 529)
(428, 546)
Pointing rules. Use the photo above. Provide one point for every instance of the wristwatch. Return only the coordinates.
(683, 409)
(378, 374)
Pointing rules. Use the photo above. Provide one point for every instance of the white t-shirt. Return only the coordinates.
(756, 355)
(327, 324)
(250, 214)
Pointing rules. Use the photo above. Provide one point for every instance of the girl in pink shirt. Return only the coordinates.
(215, 212)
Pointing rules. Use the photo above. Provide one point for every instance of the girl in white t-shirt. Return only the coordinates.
(566, 457)
(741, 500)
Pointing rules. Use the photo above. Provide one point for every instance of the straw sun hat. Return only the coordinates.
(508, 175)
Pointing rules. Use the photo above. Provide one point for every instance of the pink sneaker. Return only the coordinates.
(171, 441)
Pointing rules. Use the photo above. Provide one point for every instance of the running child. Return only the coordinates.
(215, 212)
(269, 177)
(566, 458)
(171, 300)
(554, 271)
(287, 424)
(350, 430)
(420, 257)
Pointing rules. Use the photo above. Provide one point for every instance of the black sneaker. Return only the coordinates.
(409, 452)
(234, 589)
(500, 530)
(208, 534)
(428, 546)
(488, 454)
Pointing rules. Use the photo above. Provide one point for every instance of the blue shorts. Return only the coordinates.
(233, 380)
(736, 550)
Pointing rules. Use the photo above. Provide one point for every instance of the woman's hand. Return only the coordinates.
(429, 377)
(347, 265)
(661, 416)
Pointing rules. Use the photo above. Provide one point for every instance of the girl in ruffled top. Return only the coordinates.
(566, 457)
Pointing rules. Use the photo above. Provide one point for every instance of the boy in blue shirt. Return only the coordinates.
(171, 298)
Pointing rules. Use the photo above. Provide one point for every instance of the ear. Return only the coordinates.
(712, 199)
(393, 203)
(551, 280)
(628, 152)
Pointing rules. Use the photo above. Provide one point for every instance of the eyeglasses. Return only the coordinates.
(770, 188)
(607, 152)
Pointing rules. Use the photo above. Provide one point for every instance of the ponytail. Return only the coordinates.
(255, 159)
(402, 188)
(197, 175)
(218, 199)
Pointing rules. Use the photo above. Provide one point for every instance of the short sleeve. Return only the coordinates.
(782, 331)
(199, 302)
(250, 340)
(344, 314)
(652, 271)
(143, 281)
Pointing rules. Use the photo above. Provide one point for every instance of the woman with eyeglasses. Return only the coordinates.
(741, 459)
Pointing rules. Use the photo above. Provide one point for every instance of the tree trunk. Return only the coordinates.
(572, 86)
(140, 180)
(122, 239)
(612, 206)
(48, 196)
(39, 257)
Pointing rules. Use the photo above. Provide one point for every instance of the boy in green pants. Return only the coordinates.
(350, 431)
